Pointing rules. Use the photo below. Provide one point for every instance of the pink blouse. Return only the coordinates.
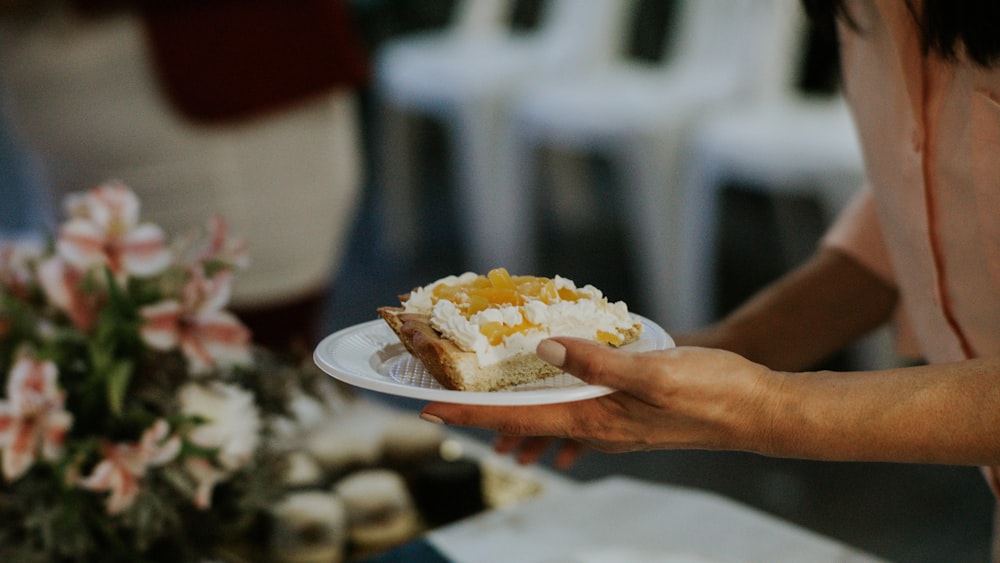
(928, 221)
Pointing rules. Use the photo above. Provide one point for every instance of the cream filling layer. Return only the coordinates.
(583, 317)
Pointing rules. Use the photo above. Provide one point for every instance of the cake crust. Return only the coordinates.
(441, 357)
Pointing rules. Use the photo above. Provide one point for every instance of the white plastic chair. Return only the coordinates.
(639, 116)
(465, 78)
(791, 144)
(787, 142)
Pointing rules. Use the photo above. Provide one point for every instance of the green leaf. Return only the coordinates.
(118, 377)
(116, 297)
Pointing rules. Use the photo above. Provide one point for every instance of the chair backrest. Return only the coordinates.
(478, 17)
(573, 33)
(698, 31)
(758, 39)
(779, 32)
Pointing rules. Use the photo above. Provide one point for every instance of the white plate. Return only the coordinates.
(370, 356)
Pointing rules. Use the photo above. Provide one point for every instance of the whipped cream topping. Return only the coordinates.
(586, 314)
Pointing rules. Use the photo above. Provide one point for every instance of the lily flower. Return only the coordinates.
(61, 283)
(15, 267)
(125, 464)
(208, 335)
(104, 229)
(221, 247)
(206, 476)
(32, 418)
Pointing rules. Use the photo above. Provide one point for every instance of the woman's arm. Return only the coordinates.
(815, 311)
(701, 398)
(943, 413)
(697, 397)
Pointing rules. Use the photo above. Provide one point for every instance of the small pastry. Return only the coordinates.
(380, 510)
(448, 490)
(309, 527)
(408, 441)
(302, 470)
(338, 450)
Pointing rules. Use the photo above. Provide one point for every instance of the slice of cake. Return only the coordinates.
(479, 333)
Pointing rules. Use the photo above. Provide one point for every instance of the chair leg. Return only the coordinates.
(396, 198)
(497, 212)
(698, 240)
(569, 190)
(650, 169)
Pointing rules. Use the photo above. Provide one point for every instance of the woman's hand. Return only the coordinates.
(677, 398)
(528, 450)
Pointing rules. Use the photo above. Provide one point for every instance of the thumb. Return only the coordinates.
(592, 362)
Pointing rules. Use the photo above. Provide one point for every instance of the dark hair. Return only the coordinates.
(945, 25)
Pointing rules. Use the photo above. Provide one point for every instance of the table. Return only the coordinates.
(627, 520)
(615, 519)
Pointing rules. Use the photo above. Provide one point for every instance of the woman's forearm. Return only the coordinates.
(803, 318)
(944, 413)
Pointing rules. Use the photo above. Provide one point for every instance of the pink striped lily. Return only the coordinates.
(208, 336)
(219, 246)
(206, 476)
(16, 261)
(61, 283)
(125, 464)
(32, 418)
(104, 229)
(16, 275)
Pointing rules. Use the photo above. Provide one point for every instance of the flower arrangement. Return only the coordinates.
(135, 411)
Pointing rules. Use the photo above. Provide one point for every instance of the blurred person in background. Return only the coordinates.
(24, 210)
(241, 108)
(919, 243)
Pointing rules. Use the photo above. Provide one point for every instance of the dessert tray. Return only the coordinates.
(370, 356)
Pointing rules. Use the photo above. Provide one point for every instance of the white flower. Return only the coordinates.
(232, 421)
(231, 427)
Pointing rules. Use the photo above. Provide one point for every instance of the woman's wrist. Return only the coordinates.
(770, 411)
(795, 421)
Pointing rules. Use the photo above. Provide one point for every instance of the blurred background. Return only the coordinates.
(677, 154)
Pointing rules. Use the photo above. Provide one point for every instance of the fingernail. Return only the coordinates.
(431, 418)
(551, 352)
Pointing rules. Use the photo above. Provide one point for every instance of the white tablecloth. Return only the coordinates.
(624, 520)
